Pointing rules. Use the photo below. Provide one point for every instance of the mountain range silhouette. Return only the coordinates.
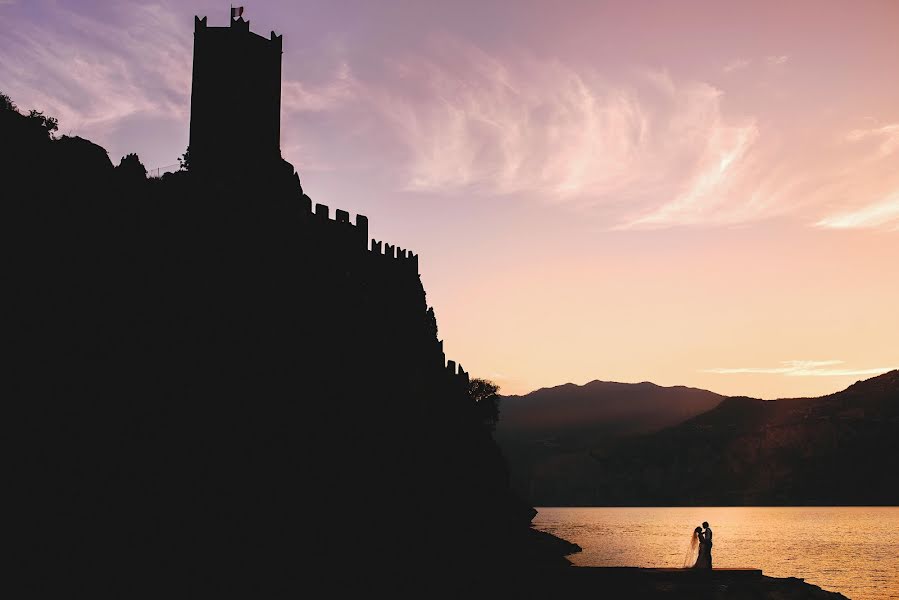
(644, 445)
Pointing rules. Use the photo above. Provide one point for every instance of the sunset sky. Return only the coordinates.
(696, 193)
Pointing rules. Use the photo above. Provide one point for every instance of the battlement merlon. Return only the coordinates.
(458, 373)
(341, 222)
(240, 25)
(400, 255)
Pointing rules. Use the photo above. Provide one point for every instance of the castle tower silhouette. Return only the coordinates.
(235, 104)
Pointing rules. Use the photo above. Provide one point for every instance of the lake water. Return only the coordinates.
(851, 550)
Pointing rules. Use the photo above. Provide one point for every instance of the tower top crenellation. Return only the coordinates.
(235, 115)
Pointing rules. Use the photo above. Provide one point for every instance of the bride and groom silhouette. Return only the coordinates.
(700, 554)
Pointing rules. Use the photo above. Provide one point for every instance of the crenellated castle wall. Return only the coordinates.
(341, 236)
(234, 138)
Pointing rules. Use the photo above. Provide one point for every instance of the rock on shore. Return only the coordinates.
(681, 583)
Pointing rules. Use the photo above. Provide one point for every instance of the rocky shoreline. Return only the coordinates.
(616, 582)
(539, 569)
(685, 583)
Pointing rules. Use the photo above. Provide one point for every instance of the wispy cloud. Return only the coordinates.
(532, 126)
(644, 151)
(652, 150)
(873, 202)
(803, 368)
(884, 214)
(736, 65)
(708, 190)
(333, 94)
(134, 63)
(778, 60)
(887, 137)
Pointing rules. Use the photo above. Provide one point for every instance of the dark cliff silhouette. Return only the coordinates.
(548, 435)
(833, 450)
(221, 388)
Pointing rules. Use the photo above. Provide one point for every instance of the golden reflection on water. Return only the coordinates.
(851, 550)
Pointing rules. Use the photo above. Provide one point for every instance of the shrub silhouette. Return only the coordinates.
(184, 161)
(131, 169)
(6, 104)
(47, 124)
(485, 394)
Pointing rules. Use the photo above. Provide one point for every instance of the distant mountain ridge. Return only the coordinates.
(836, 449)
(545, 430)
(619, 407)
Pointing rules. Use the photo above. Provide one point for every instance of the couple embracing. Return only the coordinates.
(702, 537)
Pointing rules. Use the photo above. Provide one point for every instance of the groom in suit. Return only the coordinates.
(707, 536)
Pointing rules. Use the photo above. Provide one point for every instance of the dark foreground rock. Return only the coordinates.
(632, 582)
(683, 583)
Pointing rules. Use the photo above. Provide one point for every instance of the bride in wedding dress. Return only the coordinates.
(692, 556)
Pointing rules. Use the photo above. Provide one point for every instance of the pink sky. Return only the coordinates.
(698, 193)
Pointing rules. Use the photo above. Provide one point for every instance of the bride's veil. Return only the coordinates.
(692, 551)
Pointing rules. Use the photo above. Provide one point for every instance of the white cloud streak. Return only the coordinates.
(802, 368)
(887, 136)
(340, 90)
(736, 65)
(873, 203)
(655, 151)
(648, 151)
(884, 214)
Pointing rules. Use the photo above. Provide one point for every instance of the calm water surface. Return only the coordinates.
(851, 550)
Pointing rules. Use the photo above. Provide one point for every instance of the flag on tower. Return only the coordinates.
(236, 11)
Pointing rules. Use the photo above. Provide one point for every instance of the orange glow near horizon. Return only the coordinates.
(800, 313)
